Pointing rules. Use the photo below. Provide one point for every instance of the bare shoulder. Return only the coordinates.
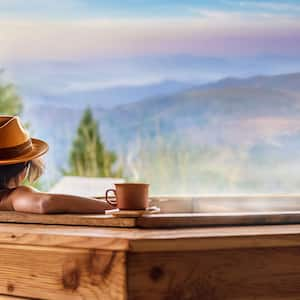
(23, 190)
(16, 195)
(27, 199)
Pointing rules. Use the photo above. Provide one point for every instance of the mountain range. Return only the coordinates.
(258, 115)
(105, 97)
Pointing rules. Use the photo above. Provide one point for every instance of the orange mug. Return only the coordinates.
(129, 196)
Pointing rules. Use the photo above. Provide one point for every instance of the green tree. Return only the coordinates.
(89, 156)
(10, 101)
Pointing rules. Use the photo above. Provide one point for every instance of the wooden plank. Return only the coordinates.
(5, 297)
(141, 240)
(156, 221)
(217, 219)
(197, 244)
(248, 274)
(66, 219)
(68, 274)
(114, 239)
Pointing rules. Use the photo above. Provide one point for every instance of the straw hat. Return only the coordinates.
(16, 146)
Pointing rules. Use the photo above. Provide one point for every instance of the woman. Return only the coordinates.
(19, 159)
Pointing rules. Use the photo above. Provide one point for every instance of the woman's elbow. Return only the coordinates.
(48, 204)
(44, 206)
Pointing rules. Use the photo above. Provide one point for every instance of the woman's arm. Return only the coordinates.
(25, 199)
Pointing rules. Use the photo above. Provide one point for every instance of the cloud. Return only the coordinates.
(31, 10)
(247, 16)
(272, 6)
(107, 84)
(32, 6)
(212, 33)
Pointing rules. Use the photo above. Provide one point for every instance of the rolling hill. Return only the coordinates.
(257, 116)
(256, 105)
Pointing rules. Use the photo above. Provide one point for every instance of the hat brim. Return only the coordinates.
(39, 148)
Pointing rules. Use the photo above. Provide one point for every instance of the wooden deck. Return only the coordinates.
(75, 262)
(64, 257)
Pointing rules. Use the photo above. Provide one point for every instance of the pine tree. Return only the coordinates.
(10, 102)
(89, 156)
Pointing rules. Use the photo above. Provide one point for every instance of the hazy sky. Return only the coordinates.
(35, 30)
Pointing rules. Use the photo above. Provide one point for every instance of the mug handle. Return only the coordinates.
(111, 202)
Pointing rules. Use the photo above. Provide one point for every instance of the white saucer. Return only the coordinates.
(132, 213)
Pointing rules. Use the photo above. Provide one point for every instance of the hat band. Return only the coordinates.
(12, 152)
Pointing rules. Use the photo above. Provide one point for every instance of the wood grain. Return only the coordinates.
(5, 297)
(248, 274)
(142, 240)
(68, 274)
(66, 219)
(213, 263)
(165, 220)
(114, 239)
(217, 219)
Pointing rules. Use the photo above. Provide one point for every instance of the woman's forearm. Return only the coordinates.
(25, 199)
(59, 203)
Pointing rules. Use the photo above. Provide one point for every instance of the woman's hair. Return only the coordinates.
(35, 169)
